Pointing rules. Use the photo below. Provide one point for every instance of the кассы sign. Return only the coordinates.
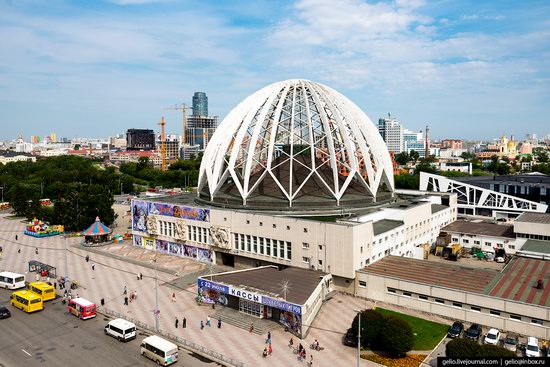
(251, 296)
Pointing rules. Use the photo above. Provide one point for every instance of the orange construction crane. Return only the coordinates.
(183, 107)
(162, 147)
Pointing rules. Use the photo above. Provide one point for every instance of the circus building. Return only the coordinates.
(296, 176)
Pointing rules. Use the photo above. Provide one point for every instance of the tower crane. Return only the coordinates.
(183, 107)
(162, 147)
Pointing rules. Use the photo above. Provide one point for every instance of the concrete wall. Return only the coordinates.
(457, 305)
(532, 228)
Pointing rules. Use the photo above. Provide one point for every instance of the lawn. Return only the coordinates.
(427, 333)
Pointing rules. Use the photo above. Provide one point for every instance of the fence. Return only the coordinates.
(189, 345)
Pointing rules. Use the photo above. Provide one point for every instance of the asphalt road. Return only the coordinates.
(53, 337)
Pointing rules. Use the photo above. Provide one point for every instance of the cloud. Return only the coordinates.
(482, 17)
(135, 2)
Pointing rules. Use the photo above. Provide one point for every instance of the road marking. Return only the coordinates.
(27, 353)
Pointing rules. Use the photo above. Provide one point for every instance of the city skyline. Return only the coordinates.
(97, 69)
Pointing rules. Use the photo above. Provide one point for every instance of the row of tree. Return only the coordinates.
(182, 173)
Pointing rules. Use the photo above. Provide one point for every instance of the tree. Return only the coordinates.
(462, 348)
(397, 336)
(414, 155)
(407, 181)
(424, 166)
(372, 323)
(402, 158)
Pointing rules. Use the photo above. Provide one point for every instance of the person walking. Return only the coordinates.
(125, 290)
(311, 360)
(140, 276)
(251, 328)
(18, 251)
(177, 321)
(202, 325)
(93, 266)
(16, 237)
(208, 321)
(269, 349)
(125, 301)
(135, 294)
(36, 250)
(268, 337)
(174, 297)
(184, 323)
(219, 323)
(87, 258)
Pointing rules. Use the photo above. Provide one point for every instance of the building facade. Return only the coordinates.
(140, 139)
(392, 133)
(200, 104)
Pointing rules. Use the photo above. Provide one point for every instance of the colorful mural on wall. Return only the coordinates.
(141, 209)
(171, 248)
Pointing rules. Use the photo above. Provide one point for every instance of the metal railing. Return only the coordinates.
(187, 344)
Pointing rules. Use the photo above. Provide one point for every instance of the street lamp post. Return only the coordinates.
(157, 315)
(358, 338)
(66, 264)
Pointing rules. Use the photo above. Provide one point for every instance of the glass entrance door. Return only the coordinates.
(250, 308)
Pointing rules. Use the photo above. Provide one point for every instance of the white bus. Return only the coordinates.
(121, 329)
(10, 280)
(159, 350)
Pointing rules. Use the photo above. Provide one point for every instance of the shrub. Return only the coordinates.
(396, 337)
(493, 351)
(372, 323)
(462, 348)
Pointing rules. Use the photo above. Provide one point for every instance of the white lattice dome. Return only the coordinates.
(296, 143)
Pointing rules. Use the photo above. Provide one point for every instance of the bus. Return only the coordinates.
(159, 350)
(10, 280)
(44, 290)
(27, 301)
(82, 308)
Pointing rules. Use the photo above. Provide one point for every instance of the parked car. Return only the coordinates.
(532, 349)
(456, 330)
(492, 337)
(473, 332)
(4, 313)
(511, 342)
(350, 339)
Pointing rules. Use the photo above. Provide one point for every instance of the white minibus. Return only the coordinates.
(121, 329)
(10, 280)
(159, 350)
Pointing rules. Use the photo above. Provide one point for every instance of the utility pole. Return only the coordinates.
(66, 263)
(358, 339)
(157, 311)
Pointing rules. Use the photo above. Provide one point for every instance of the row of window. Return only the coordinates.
(522, 190)
(198, 234)
(455, 304)
(534, 236)
(486, 244)
(263, 246)
(167, 228)
(261, 224)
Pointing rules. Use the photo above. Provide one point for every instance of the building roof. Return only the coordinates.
(385, 225)
(448, 275)
(534, 218)
(542, 247)
(11, 153)
(302, 282)
(480, 228)
(438, 207)
(522, 180)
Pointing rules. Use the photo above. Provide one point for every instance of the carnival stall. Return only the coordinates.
(39, 229)
(97, 233)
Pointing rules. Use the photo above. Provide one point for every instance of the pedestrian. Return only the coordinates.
(135, 294)
(36, 250)
(202, 325)
(18, 251)
(269, 349)
(268, 340)
(125, 301)
(140, 276)
(87, 258)
(93, 266)
(125, 290)
(184, 323)
(208, 321)
(311, 360)
(219, 323)
(37, 277)
(177, 322)
(251, 328)
(16, 237)
(174, 297)
(102, 301)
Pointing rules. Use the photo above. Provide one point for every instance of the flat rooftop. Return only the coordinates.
(268, 280)
(527, 217)
(431, 273)
(516, 282)
(542, 247)
(385, 225)
(480, 228)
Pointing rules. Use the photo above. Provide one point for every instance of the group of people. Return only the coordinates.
(183, 322)
(133, 296)
(301, 351)
(269, 349)
(209, 323)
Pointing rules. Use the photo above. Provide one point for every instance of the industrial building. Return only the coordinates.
(140, 139)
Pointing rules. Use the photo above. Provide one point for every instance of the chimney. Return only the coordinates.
(427, 143)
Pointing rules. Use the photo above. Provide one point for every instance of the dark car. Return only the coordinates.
(350, 339)
(473, 332)
(4, 313)
(456, 330)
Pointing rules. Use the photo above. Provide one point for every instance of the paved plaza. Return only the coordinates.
(118, 266)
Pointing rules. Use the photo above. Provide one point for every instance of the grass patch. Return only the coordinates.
(427, 333)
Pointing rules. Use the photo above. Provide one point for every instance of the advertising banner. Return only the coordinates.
(141, 209)
(178, 249)
(282, 305)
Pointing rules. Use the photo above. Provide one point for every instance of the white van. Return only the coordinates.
(11, 280)
(159, 350)
(121, 329)
(532, 349)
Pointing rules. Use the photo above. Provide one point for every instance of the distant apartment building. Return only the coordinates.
(452, 144)
(171, 146)
(140, 139)
(134, 156)
(7, 156)
(393, 134)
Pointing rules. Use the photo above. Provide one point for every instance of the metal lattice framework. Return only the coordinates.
(305, 127)
(473, 197)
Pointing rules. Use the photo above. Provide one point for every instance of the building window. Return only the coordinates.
(515, 317)
(261, 224)
(511, 247)
(466, 241)
(247, 221)
(261, 245)
(362, 284)
(437, 300)
(488, 244)
(274, 225)
(275, 247)
(407, 294)
(476, 242)
(494, 312)
(288, 228)
(268, 246)
(457, 304)
(500, 245)
(423, 297)
(320, 262)
(225, 219)
(305, 245)
(255, 242)
(248, 243)
(305, 259)
(320, 247)
(281, 249)
(305, 230)
(361, 249)
(289, 251)
(536, 321)
(475, 308)
(391, 290)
